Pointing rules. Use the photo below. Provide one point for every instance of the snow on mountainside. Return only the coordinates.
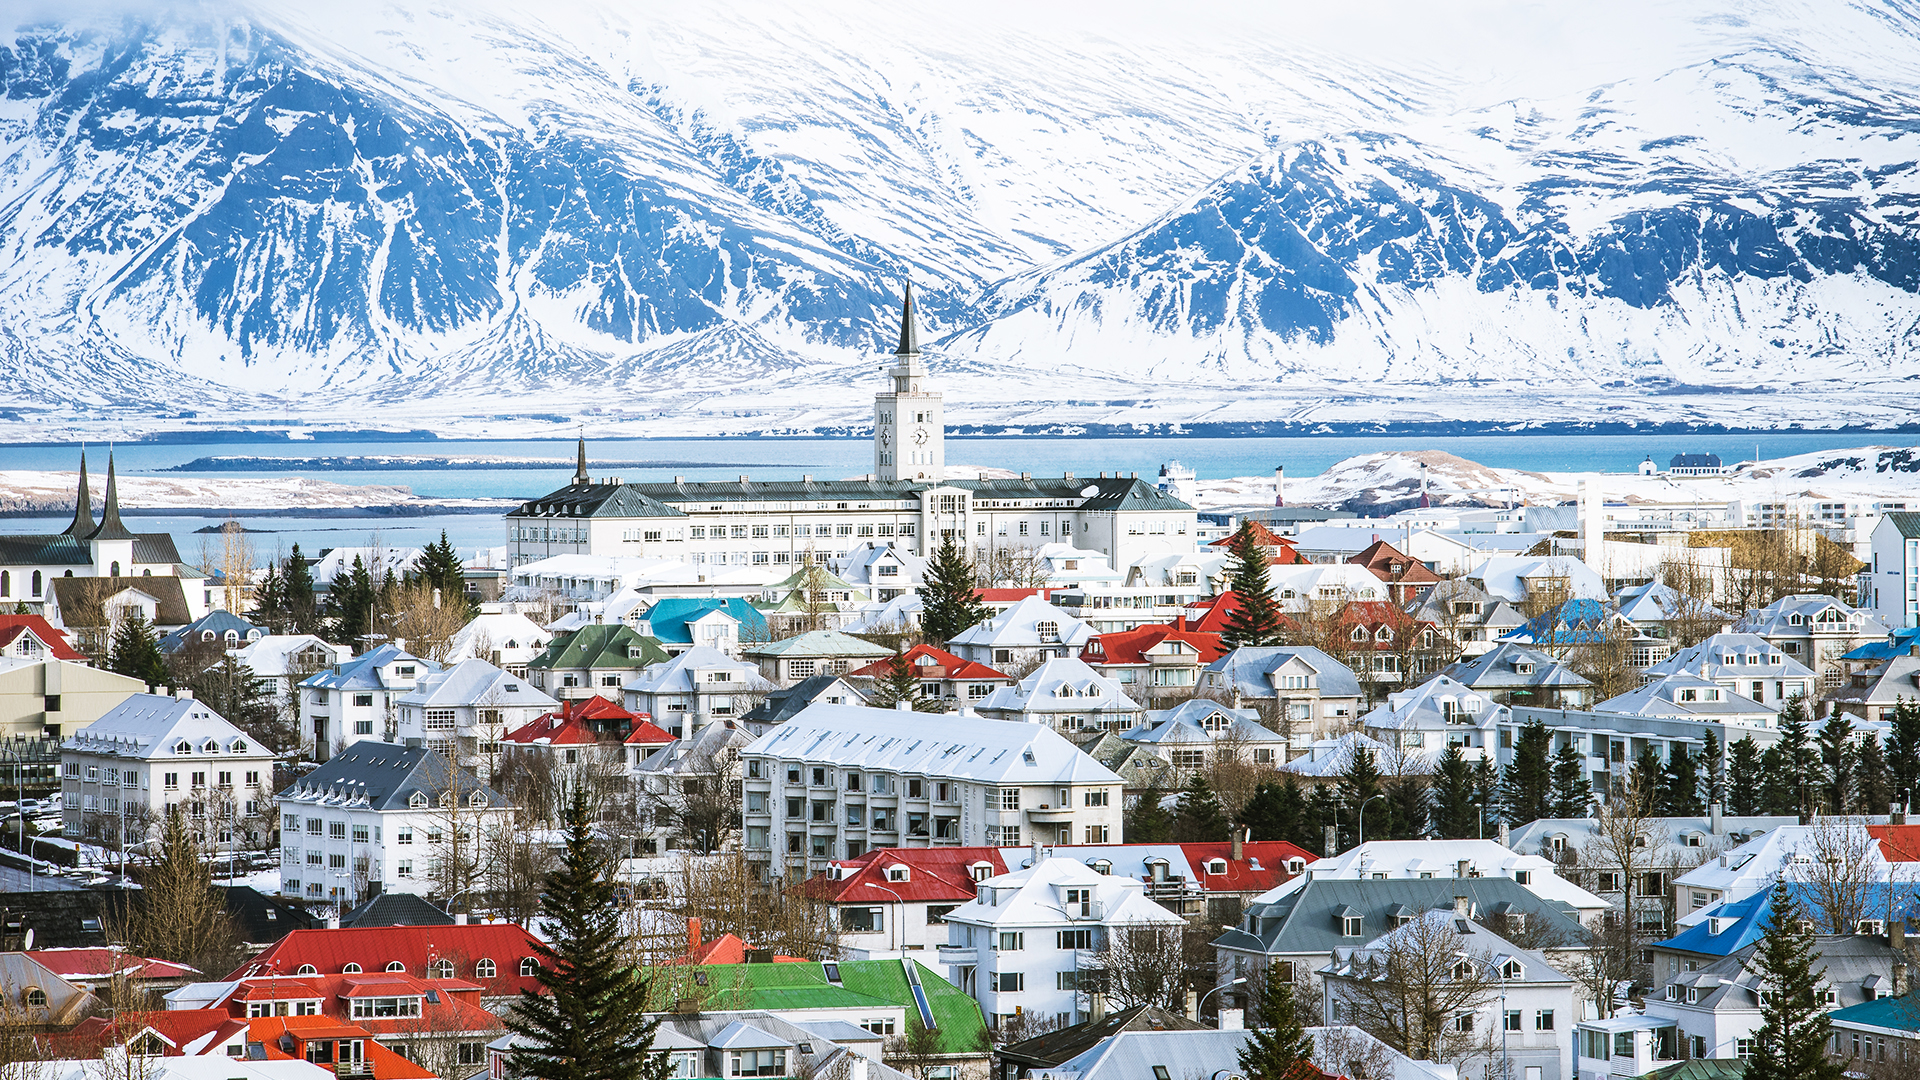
(698, 221)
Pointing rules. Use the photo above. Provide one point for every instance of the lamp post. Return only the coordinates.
(1360, 826)
(1198, 1005)
(1506, 1059)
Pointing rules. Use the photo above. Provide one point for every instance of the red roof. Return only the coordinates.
(931, 663)
(648, 733)
(1381, 557)
(180, 1028)
(578, 723)
(457, 1008)
(384, 1063)
(1272, 855)
(728, 949)
(83, 963)
(1210, 616)
(1011, 596)
(1130, 646)
(935, 874)
(1373, 614)
(1898, 843)
(13, 626)
(1280, 550)
(374, 947)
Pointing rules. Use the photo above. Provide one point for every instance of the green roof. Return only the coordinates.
(820, 643)
(1897, 1013)
(864, 984)
(600, 645)
(1905, 521)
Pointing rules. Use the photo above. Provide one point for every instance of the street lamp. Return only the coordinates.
(1199, 1005)
(1360, 827)
(1499, 972)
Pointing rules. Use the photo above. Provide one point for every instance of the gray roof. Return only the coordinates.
(1247, 669)
(1303, 921)
(1495, 670)
(386, 776)
(1473, 937)
(1533, 837)
(217, 622)
(1131, 1055)
(593, 500)
(396, 909)
(1714, 652)
(1852, 963)
(1185, 723)
(1887, 684)
(1906, 521)
(363, 671)
(820, 643)
(475, 682)
(783, 705)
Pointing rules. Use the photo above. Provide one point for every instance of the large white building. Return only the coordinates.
(1025, 941)
(123, 773)
(838, 780)
(907, 499)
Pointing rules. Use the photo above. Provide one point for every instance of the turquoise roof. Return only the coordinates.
(1898, 1013)
(669, 617)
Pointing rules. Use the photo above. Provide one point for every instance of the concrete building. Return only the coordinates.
(124, 773)
(358, 698)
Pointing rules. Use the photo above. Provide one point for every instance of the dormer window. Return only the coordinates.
(898, 873)
(1511, 970)
(1216, 866)
(1673, 992)
(1715, 925)
(980, 871)
(183, 747)
(418, 801)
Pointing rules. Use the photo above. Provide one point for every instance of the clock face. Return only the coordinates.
(920, 436)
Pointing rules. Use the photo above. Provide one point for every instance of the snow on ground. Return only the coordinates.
(39, 490)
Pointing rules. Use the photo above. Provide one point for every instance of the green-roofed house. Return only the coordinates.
(812, 596)
(816, 652)
(879, 995)
(596, 659)
(1878, 1035)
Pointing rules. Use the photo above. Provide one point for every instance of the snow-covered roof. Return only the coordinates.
(149, 726)
(1809, 613)
(272, 656)
(901, 611)
(1331, 757)
(503, 631)
(1442, 858)
(1506, 576)
(475, 682)
(1295, 585)
(1734, 656)
(1201, 721)
(678, 675)
(1683, 695)
(1032, 897)
(363, 671)
(1438, 703)
(1064, 684)
(1252, 671)
(1019, 627)
(957, 747)
(1758, 863)
(1658, 602)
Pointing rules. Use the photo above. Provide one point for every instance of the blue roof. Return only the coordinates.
(1879, 652)
(1897, 1013)
(218, 622)
(1576, 622)
(670, 616)
(1754, 914)
(363, 672)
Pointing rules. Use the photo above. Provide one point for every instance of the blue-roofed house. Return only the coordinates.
(680, 623)
(218, 629)
(1573, 623)
(1899, 642)
(1736, 924)
(1874, 694)
(357, 699)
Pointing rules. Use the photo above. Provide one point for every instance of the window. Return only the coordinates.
(350, 969)
(1513, 1020)
(862, 920)
(1523, 877)
(36, 998)
(1075, 939)
(1010, 798)
(1010, 982)
(364, 1008)
(403, 834)
(1096, 834)
(1543, 1020)
(336, 830)
(529, 967)
(879, 1026)
(1743, 1048)
(1350, 926)
(1011, 941)
(757, 1063)
(1096, 797)
(1463, 1022)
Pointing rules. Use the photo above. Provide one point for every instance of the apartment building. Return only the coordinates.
(121, 775)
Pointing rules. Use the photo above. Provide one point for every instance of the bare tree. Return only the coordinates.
(1626, 841)
(1349, 1052)
(915, 1052)
(1010, 567)
(1409, 988)
(425, 622)
(1836, 863)
(517, 860)
(1608, 965)
(726, 893)
(1693, 617)
(1142, 965)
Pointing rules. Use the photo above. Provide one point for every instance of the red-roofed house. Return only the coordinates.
(1898, 843)
(1280, 551)
(500, 957)
(32, 637)
(94, 968)
(1153, 661)
(1212, 879)
(157, 1033)
(942, 675)
(1383, 639)
(348, 1049)
(1408, 579)
(1211, 616)
(725, 949)
(892, 900)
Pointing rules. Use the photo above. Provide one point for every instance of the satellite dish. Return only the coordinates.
(1090, 491)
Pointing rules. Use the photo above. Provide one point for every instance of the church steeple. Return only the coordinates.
(580, 470)
(82, 526)
(110, 525)
(909, 336)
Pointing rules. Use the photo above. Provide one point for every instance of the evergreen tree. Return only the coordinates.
(1456, 814)
(900, 684)
(1275, 811)
(1680, 785)
(1323, 812)
(351, 601)
(948, 601)
(1572, 791)
(1359, 783)
(230, 689)
(1779, 788)
(178, 914)
(589, 1020)
(1799, 758)
(303, 610)
(1256, 620)
(1713, 771)
(1792, 1041)
(135, 650)
(1410, 808)
(439, 565)
(1872, 786)
(1199, 819)
(1743, 777)
(1647, 775)
(1277, 1047)
(1526, 790)
(1486, 796)
(270, 602)
(1903, 749)
(1148, 822)
(1836, 761)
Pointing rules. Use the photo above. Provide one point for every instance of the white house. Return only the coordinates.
(1814, 629)
(1441, 712)
(695, 688)
(123, 773)
(1388, 859)
(378, 813)
(1196, 733)
(1890, 585)
(356, 699)
(461, 711)
(1066, 695)
(887, 571)
(336, 563)
(836, 780)
(1746, 664)
(1785, 853)
(505, 640)
(1028, 632)
(1024, 941)
(1683, 695)
(1300, 586)
(1517, 577)
(283, 660)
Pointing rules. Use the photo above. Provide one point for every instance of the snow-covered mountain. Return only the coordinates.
(698, 220)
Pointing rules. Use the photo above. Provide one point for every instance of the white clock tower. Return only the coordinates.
(909, 432)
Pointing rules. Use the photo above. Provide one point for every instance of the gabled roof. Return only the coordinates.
(783, 705)
(1262, 865)
(1905, 521)
(928, 662)
(1665, 696)
(575, 723)
(1890, 1013)
(933, 874)
(363, 671)
(1062, 684)
(1048, 1050)
(1248, 670)
(218, 622)
(272, 656)
(1500, 668)
(595, 500)
(1472, 938)
(958, 1023)
(373, 948)
(474, 682)
(148, 726)
(1743, 922)
(600, 645)
(1898, 843)
(36, 549)
(86, 963)
(1895, 680)
(14, 627)
(1302, 920)
(820, 643)
(1018, 626)
(676, 674)
(1575, 622)
(1187, 722)
(1381, 558)
(669, 618)
(384, 776)
(396, 909)
(73, 593)
(958, 747)
(1129, 647)
(1728, 654)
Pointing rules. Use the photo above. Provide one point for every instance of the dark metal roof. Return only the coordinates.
(389, 775)
(1906, 521)
(596, 500)
(783, 705)
(172, 610)
(1055, 1047)
(59, 549)
(82, 506)
(111, 527)
(909, 337)
(396, 909)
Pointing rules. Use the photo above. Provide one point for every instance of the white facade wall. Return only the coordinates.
(333, 852)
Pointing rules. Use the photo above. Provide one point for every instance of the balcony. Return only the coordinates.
(1050, 815)
(957, 954)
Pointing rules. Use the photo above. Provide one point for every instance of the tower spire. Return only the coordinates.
(580, 470)
(909, 337)
(82, 505)
(110, 525)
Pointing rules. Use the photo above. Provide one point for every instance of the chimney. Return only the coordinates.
(1503, 835)
(1460, 906)
(1714, 824)
(1096, 1007)
(1899, 980)
(903, 705)
(1279, 485)
(693, 935)
(743, 478)
(1193, 1005)
(1333, 841)
(333, 918)
(856, 1067)
(1233, 1019)
(460, 918)
(1896, 814)
(1723, 860)
(1897, 934)
(1034, 854)
(1460, 869)
(1240, 842)
(806, 478)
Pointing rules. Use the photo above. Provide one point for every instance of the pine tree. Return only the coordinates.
(303, 610)
(1903, 749)
(1275, 811)
(1836, 760)
(1572, 791)
(1199, 818)
(1779, 787)
(1456, 814)
(1323, 811)
(1713, 771)
(1799, 758)
(1486, 795)
(589, 1020)
(1277, 1047)
(898, 685)
(135, 651)
(948, 601)
(1792, 1041)
(1148, 822)
(1409, 807)
(1359, 783)
(1645, 776)
(1526, 790)
(270, 601)
(1872, 786)
(1680, 784)
(439, 565)
(1256, 620)
(351, 601)
(1743, 777)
